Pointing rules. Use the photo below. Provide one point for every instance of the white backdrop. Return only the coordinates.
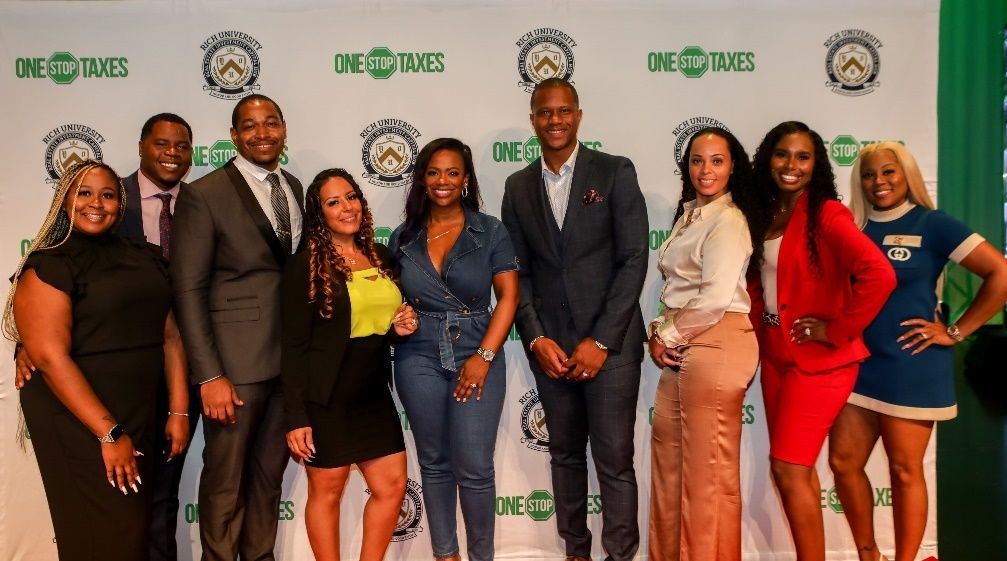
(81, 77)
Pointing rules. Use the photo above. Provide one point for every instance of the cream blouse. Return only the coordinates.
(703, 263)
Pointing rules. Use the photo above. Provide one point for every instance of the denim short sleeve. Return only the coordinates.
(503, 258)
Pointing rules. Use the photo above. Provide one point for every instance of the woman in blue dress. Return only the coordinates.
(907, 383)
(450, 374)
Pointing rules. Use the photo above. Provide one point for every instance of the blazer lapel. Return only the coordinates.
(255, 212)
(582, 172)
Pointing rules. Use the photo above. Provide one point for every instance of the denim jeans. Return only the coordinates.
(454, 445)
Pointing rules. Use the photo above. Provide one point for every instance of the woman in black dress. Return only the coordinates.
(93, 313)
(340, 303)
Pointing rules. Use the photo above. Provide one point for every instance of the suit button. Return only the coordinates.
(416, 300)
(562, 305)
(473, 299)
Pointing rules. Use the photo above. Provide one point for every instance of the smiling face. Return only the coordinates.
(883, 180)
(166, 154)
(95, 209)
(445, 178)
(261, 133)
(710, 167)
(341, 207)
(555, 116)
(793, 162)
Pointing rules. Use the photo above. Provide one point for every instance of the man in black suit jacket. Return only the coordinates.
(578, 221)
(151, 192)
(234, 230)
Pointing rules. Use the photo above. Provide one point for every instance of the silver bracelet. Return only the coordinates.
(170, 413)
(531, 346)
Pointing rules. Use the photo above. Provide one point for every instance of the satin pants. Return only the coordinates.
(695, 508)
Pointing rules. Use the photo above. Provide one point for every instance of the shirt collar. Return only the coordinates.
(259, 173)
(709, 209)
(149, 189)
(567, 166)
(892, 213)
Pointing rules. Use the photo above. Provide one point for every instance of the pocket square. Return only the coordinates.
(592, 196)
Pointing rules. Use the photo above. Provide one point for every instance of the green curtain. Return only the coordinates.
(972, 449)
(970, 125)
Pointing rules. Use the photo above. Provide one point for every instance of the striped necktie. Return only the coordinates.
(281, 210)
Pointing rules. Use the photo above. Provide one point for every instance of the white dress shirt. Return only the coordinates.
(150, 206)
(557, 186)
(255, 176)
(703, 262)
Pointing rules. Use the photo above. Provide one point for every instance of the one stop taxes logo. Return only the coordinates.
(64, 68)
(527, 151)
(381, 62)
(220, 152)
(284, 513)
(539, 505)
(845, 148)
(694, 62)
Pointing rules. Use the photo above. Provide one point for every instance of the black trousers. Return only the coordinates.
(602, 411)
(165, 477)
(240, 486)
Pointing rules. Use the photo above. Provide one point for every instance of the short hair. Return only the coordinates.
(246, 100)
(148, 126)
(555, 83)
(910, 169)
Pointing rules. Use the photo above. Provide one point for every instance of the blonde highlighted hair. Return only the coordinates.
(910, 169)
(56, 228)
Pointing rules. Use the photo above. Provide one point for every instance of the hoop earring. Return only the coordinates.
(465, 190)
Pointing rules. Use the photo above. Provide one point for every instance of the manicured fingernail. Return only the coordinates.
(112, 483)
(139, 453)
(133, 486)
(138, 480)
(123, 489)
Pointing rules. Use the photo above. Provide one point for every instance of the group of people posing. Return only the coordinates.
(272, 310)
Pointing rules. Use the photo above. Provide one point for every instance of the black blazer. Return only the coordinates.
(589, 274)
(132, 221)
(312, 347)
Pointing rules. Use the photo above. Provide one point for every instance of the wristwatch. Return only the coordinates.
(114, 434)
(486, 354)
(955, 333)
(599, 344)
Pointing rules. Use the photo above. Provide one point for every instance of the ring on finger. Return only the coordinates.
(807, 332)
(473, 386)
(924, 336)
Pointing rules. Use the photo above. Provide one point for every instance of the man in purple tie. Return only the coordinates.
(165, 158)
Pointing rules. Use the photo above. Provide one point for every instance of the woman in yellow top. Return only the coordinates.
(340, 304)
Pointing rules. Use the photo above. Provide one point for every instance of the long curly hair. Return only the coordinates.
(418, 203)
(57, 225)
(741, 186)
(821, 187)
(327, 268)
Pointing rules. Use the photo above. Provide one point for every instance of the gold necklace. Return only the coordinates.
(351, 260)
(441, 235)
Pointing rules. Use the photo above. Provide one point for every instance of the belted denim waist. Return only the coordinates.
(449, 329)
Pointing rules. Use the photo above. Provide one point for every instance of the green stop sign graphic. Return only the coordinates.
(380, 63)
(532, 149)
(693, 62)
(539, 505)
(844, 149)
(221, 152)
(62, 68)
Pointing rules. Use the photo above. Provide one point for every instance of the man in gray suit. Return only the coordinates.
(234, 230)
(579, 225)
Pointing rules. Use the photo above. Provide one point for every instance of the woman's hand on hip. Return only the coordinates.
(301, 444)
(923, 334)
(120, 464)
(807, 329)
(472, 378)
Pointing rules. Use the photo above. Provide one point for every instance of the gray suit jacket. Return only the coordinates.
(590, 274)
(226, 267)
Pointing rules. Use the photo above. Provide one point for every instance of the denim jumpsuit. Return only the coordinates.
(454, 440)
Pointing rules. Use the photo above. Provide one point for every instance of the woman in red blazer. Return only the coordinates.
(821, 283)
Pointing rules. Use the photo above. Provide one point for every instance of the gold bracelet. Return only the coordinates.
(170, 413)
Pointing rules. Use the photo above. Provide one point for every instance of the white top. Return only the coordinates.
(770, 265)
(557, 186)
(255, 176)
(150, 206)
(703, 263)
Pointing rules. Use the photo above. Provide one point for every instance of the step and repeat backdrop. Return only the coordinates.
(365, 85)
